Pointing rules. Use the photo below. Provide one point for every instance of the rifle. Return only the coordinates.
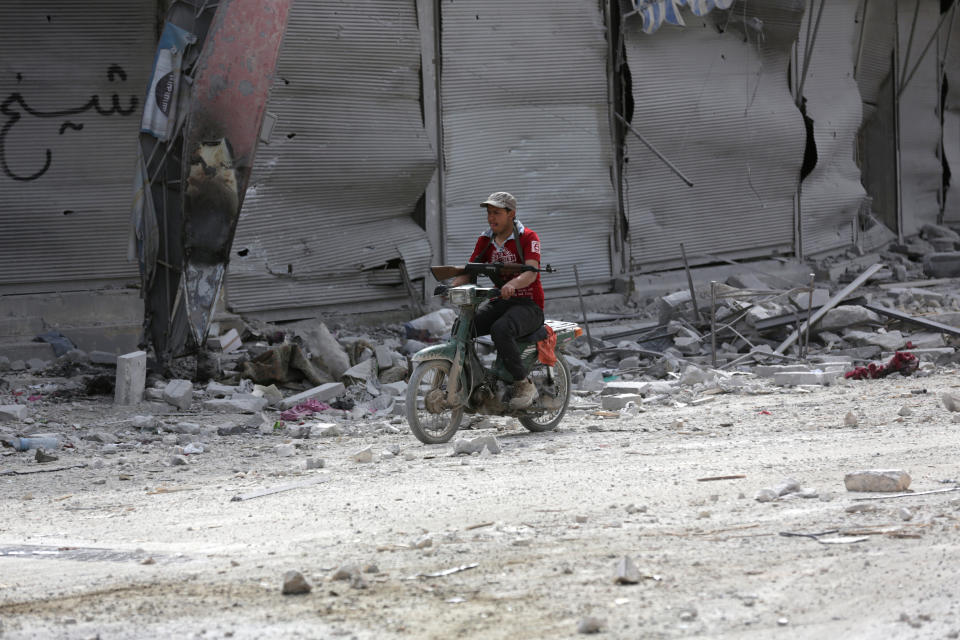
(492, 270)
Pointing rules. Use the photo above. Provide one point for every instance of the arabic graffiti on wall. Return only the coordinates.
(15, 106)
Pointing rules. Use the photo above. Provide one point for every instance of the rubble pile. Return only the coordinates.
(874, 315)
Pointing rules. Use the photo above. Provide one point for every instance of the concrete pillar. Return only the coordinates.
(131, 378)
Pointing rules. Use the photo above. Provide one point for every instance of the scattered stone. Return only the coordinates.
(423, 542)
(766, 495)
(847, 315)
(950, 401)
(905, 514)
(193, 448)
(580, 519)
(626, 572)
(42, 456)
(463, 446)
(877, 480)
(850, 420)
(331, 430)
(788, 485)
(189, 428)
(808, 493)
(905, 412)
(36, 364)
(321, 393)
(316, 463)
(178, 393)
(862, 508)
(688, 615)
(285, 450)
(590, 624)
(148, 561)
(131, 378)
(294, 583)
(619, 401)
(272, 395)
(325, 351)
(363, 455)
(346, 572)
(176, 461)
(12, 412)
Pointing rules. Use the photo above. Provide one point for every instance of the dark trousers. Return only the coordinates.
(505, 321)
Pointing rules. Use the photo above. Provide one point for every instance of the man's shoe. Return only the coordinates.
(523, 393)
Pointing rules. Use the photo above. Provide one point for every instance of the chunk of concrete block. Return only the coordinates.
(877, 480)
(178, 393)
(619, 401)
(324, 392)
(770, 370)
(131, 378)
(384, 356)
(944, 264)
(11, 412)
(325, 351)
(236, 405)
(846, 315)
(794, 378)
(616, 387)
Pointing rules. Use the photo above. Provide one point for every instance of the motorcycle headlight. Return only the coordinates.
(460, 296)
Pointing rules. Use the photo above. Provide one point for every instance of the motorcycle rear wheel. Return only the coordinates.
(427, 388)
(548, 420)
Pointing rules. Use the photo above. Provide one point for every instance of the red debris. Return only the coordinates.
(305, 408)
(902, 362)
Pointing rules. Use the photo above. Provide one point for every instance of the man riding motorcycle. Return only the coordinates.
(519, 310)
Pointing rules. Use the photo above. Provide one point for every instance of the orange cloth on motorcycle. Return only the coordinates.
(546, 346)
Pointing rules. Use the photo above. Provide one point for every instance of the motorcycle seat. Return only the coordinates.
(536, 336)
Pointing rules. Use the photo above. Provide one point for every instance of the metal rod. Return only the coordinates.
(863, 22)
(806, 337)
(693, 294)
(713, 323)
(808, 53)
(583, 310)
(896, 119)
(654, 150)
(933, 36)
(906, 55)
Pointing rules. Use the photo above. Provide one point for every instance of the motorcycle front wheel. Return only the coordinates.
(430, 420)
(555, 397)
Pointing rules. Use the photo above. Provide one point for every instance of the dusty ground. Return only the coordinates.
(131, 547)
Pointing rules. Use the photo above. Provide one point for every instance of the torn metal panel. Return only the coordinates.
(70, 98)
(334, 190)
(524, 110)
(921, 171)
(831, 195)
(716, 103)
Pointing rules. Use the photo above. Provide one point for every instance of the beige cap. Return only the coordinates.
(501, 199)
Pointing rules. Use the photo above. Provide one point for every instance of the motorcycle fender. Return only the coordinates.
(436, 352)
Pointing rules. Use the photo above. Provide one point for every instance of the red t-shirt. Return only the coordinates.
(530, 243)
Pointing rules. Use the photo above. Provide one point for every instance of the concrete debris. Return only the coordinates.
(626, 572)
(363, 455)
(131, 378)
(590, 624)
(11, 412)
(950, 401)
(294, 583)
(321, 393)
(850, 420)
(178, 393)
(463, 446)
(236, 404)
(883, 480)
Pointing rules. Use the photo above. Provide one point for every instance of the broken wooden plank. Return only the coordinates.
(14, 472)
(903, 317)
(831, 303)
(281, 488)
(712, 478)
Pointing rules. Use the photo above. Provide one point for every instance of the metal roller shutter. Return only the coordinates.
(524, 110)
(73, 85)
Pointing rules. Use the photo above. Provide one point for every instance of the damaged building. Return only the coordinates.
(627, 129)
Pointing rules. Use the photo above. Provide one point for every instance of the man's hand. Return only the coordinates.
(507, 291)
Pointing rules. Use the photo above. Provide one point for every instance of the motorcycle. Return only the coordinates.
(449, 379)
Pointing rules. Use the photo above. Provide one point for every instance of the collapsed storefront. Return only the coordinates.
(738, 129)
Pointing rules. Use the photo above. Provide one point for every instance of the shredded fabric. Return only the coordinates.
(901, 362)
(306, 408)
(545, 348)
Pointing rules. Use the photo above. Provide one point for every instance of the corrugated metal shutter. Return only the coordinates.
(714, 101)
(873, 66)
(831, 195)
(951, 119)
(524, 109)
(332, 194)
(67, 161)
(921, 172)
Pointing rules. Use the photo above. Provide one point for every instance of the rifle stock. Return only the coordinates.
(490, 269)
